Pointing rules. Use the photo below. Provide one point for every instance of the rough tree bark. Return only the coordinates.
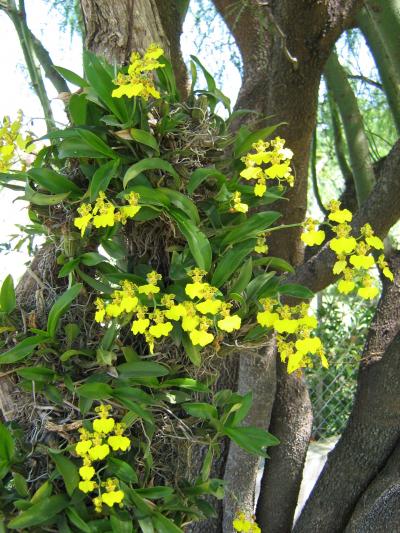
(256, 374)
(115, 29)
(373, 430)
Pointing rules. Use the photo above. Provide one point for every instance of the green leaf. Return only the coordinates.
(76, 147)
(146, 525)
(296, 291)
(68, 268)
(96, 143)
(148, 195)
(60, 307)
(40, 513)
(77, 521)
(231, 260)
(134, 407)
(185, 383)
(259, 284)
(134, 394)
(122, 470)
(118, 525)
(182, 202)
(68, 471)
(153, 163)
(201, 410)
(243, 278)
(154, 493)
(95, 391)
(253, 440)
(40, 374)
(38, 198)
(199, 245)
(43, 492)
(255, 224)
(102, 177)
(114, 248)
(245, 145)
(274, 262)
(163, 524)
(138, 369)
(7, 449)
(7, 296)
(92, 258)
(100, 80)
(72, 353)
(243, 410)
(72, 77)
(53, 181)
(202, 174)
(94, 283)
(144, 137)
(21, 486)
(77, 106)
(22, 349)
(193, 352)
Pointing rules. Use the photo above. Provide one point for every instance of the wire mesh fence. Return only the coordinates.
(343, 325)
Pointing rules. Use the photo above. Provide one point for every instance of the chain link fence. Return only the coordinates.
(343, 325)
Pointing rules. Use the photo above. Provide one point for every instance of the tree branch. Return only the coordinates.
(374, 425)
(47, 64)
(314, 176)
(381, 210)
(357, 142)
(377, 34)
(18, 18)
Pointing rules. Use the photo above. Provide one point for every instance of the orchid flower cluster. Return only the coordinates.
(104, 213)
(202, 317)
(271, 161)
(94, 447)
(353, 255)
(244, 524)
(138, 81)
(12, 141)
(293, 326)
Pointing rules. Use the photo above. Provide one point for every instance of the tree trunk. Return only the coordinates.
(373, 428)
(378, 510)
(115, 29)
(292, 424)
(256, 374)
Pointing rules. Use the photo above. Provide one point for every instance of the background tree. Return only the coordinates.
(284, 56)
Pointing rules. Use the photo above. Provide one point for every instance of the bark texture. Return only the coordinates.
(378, 510)
(115, 29)
(373, 429)
(292, 424)
(256, 374)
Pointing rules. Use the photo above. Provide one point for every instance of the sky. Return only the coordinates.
(16, 94)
